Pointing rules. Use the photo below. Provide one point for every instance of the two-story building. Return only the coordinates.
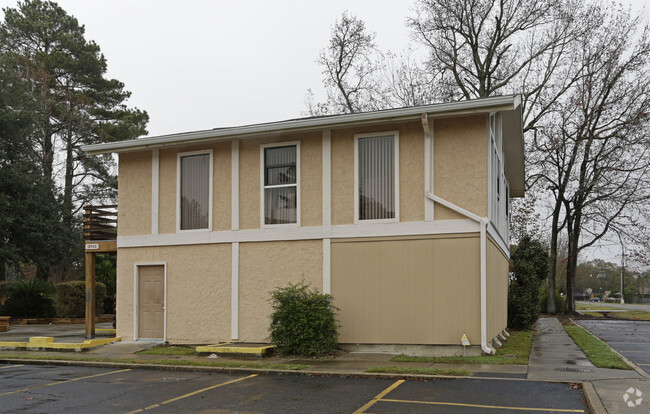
(402, 215)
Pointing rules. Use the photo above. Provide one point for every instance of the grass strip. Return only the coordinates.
(168, 350)
(422, 371)
(594, 314)
(217, 364)
(583, 306)
(596, 350)
(515, 351)
(631, 315)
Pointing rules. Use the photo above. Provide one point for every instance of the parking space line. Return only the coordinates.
(191, 394)
(499, 407)
(11, 366)
(378, 397)
(64, 381)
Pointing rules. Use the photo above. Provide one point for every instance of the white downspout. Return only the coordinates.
(483, 223)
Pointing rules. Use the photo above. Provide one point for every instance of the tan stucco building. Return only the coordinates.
(402, 215)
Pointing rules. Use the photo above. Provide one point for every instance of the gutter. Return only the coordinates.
(483, 223)
(497, 103)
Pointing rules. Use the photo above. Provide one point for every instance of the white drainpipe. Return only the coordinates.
(483, 223)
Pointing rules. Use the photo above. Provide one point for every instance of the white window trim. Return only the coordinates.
(395, 134)
(178, 190)
(263, 225)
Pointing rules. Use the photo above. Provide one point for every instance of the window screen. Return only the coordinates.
(195, 191)
(376, 178)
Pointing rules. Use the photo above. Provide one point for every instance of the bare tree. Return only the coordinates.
(595, 144)
(350, 62)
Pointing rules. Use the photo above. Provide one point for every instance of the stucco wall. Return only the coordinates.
(497, 289)
(266, 266)
(198, 291)
(416, 290)
(460, 158)
(134, 193)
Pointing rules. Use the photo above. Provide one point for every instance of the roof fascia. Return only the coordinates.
(493, 104)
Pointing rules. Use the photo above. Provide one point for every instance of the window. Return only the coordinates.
(280, 169)
(499, 190)
(376, 192)
(194, 190)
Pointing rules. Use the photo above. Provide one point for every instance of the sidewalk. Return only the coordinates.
(555, 357)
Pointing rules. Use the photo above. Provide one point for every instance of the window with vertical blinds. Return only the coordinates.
(280, 185)
(376, 177)
(194, 191)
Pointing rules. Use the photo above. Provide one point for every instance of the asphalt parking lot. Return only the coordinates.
(56, 389)
(630, 338)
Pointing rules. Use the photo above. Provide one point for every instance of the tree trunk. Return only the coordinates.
(551, 307)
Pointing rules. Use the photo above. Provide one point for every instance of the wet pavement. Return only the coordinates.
(66, 333)
(37, 389)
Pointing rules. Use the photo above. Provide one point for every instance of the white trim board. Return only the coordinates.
(416, 228)
(234, 293)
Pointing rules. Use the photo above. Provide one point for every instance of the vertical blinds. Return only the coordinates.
(195, 191)
(280, 185)
(376, 178)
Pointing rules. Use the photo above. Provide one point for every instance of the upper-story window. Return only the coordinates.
(194, 201)
(376, 177)
(280, 178)
(499, 189)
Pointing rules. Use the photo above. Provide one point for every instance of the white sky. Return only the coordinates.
(196, 65)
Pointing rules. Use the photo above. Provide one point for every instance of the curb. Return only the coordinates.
(593, 400)
(244, 370)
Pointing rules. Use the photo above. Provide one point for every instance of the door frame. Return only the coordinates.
(136, 299)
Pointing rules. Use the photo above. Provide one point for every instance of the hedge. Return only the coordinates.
(71, 299)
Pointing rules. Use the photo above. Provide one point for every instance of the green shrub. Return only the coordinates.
(530, 263)
(559, 302)
(303, 321)
(29, 299)
(71, 299)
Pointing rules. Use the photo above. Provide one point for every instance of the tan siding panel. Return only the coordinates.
(198, 291)
(420, 291)
(460, 157)
(497, 290)
(266, 266)
(134, 193)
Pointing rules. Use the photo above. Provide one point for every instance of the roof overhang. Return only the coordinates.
(513, 148)
(508, 105)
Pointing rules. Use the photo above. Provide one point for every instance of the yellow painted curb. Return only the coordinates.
(225, 349)
(47, 342)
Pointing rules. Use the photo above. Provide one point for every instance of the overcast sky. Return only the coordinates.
(196, 65)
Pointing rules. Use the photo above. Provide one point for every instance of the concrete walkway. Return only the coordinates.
(555, 357)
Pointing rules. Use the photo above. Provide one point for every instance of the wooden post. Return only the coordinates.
(90, 295)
